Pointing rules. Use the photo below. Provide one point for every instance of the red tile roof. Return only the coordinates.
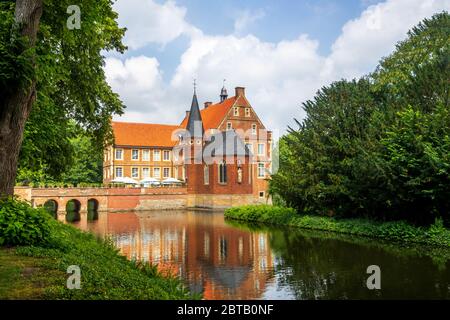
(143, 134)
(214, 114)
(160, 135)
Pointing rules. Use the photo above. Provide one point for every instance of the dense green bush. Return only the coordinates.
(20, 224)
(261, 213)
(400, 231)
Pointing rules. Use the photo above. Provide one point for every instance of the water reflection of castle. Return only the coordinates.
(217, 260)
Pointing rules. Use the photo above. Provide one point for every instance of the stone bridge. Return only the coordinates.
(105, 199)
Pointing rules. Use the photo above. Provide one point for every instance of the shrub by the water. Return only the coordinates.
(400, 231)
(20, 224)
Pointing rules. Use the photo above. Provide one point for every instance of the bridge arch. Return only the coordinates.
(92, 207)
(51, 206)
(73, 208)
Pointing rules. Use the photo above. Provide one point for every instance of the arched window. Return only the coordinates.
(223, 172)
(206, 174)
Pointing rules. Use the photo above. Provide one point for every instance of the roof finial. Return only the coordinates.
(195, 86)
(223, 92)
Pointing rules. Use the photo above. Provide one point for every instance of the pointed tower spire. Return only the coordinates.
(223, 92)
(195, 123)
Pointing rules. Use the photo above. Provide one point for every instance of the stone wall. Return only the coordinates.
(222, 201)
(131, 199)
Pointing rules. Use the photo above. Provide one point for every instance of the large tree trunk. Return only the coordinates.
(15, 109)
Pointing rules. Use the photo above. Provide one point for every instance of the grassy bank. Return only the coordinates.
(37, 268)
(399, 231)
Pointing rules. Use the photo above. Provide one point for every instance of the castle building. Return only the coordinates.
(223, 152)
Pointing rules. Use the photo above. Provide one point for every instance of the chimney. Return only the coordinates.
(207, 104)
(187, 113)
(240, 91)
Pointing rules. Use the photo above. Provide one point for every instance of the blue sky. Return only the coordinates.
(282, 51)
(278, 20)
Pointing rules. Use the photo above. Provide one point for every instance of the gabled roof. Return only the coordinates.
(195, 119)
(143, 134)
(214, 114)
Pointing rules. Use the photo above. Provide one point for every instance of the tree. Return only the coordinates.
(69, 84)
(378, 146)
(18, 92)
(87, 163)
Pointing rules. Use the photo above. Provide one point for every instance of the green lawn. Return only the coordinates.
(24, 277)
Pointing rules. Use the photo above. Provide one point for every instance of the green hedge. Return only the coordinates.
(401, 231)
(20, 224)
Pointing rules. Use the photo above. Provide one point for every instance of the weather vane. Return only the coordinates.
(195, 85)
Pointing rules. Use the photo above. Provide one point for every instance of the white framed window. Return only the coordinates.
(260, 149)
(156, 155)
(249, 146)
(157, 173)
(261, 194)
(166, 172)
(135, 154)
(206, 175)
(145, 173)
(261, 170)
(254, 128)
(236, 111)
(229, 126)
(135, 172)
(146, 155)
(247, 112)
(119, 154)
(166, 155)
(119, 172)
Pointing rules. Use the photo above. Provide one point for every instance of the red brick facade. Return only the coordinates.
(138, 151)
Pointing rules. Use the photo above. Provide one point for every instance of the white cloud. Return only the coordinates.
(373, 35)
(246, 18)
(278, 76)
(150, 22)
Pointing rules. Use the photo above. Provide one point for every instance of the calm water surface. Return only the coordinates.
(226, 260)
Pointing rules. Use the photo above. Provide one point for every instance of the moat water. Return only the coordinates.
(229, 260)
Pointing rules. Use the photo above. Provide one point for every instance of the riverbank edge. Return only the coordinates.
(395, 231)
(42, 269)
(35, 272)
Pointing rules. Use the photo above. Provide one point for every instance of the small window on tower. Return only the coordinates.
(236, 111)
(247, 112)
(206, 175)
(229, 126)
(223, 172)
